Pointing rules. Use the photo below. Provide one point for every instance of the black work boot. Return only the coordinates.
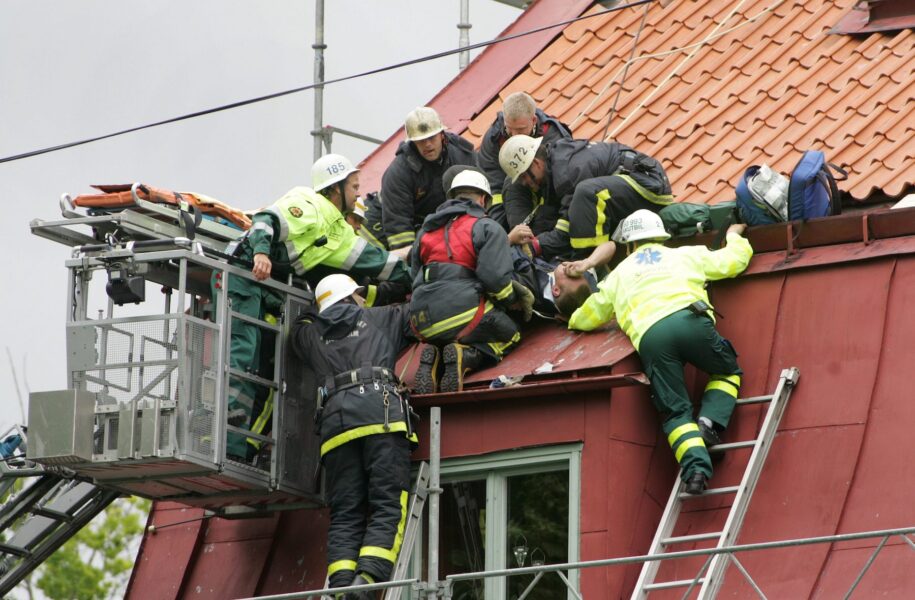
(361, 579)
(709, 433)
(696, 483)
(459, 360)
(427, 375)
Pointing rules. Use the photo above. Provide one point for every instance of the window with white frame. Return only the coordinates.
(504, 510)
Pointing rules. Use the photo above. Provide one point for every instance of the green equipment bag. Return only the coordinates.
(683, 219)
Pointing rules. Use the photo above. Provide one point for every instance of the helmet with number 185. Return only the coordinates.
(330, 169)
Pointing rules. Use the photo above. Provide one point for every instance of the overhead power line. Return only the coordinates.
(304, 88)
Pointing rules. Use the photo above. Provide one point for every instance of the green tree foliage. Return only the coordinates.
(95, 564)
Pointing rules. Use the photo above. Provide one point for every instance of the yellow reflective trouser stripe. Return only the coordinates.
(504, 292)
(401, 239)
(562, 225)
(391, 555)
(690, 443)
(729, 384)
(603, 197)
(677, 433)
(358, 432)
(398, 539)
(388, 555)
(261, 422)
(371, 295)
(662, 199)
(500, 347)
(455, 321)
(341, 565)
(497, 199)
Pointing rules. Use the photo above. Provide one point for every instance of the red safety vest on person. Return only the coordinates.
(452, 243)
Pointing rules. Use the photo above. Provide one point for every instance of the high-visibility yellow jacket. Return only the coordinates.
(303, 217)
(657, 281)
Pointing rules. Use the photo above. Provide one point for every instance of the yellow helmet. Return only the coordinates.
(422, 122)
(517, 155)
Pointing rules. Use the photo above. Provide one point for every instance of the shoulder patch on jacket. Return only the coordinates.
(295, 211)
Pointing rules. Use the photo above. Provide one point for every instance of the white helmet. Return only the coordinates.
(470, 179)
(333, 289)
(359, 208)
(329, 169)
(517, 155)
(640, 225)
(422, 122)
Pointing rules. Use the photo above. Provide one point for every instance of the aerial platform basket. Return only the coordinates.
(148, 365)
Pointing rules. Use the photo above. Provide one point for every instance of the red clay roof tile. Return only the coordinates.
(763, 87)
(760, 91)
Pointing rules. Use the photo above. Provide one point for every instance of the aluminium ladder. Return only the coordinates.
(42, 517)
(414, 516)
(716, 566)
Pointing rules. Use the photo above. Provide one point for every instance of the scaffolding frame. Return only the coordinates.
(432, 588)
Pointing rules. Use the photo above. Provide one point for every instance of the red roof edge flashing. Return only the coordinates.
(566, 385)
(482, 80)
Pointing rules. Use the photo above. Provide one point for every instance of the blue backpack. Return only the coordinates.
(752, 211)
(812, 190)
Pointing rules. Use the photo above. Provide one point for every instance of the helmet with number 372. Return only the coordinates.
(517, 155)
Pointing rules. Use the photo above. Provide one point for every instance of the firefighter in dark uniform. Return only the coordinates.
(372, 229)
(411, 187)
(304, 232)
(512, 202)
(589, 187)
(462, 285)
(366, 436)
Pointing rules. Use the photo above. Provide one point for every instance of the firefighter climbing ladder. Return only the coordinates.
(716, 564)
(414, 515)
(52, 509)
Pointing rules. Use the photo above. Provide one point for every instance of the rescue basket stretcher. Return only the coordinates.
(144, 411)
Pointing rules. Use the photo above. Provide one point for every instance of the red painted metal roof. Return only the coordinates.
(832, 298)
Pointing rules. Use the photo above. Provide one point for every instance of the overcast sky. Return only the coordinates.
(70, 70)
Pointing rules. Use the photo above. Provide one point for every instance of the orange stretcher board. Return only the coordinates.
(122, 196)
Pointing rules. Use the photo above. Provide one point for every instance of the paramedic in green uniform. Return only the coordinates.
(303, 231)
(658, 297)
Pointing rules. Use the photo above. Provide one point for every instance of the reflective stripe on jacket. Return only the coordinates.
(479, 245)
(346, 337)
(656, 281)
(411, 187)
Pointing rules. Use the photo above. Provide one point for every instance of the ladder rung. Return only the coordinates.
(731, 489)
(732, 446)
(697, 537)
(14, 550)
(755, 399)
(666, 585)
(52, 514)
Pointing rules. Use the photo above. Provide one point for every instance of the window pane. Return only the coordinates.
(462, 535)
(538, 530)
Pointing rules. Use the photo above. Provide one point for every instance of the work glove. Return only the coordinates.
(524, 300)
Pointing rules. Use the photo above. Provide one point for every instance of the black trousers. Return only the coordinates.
(367, 488)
